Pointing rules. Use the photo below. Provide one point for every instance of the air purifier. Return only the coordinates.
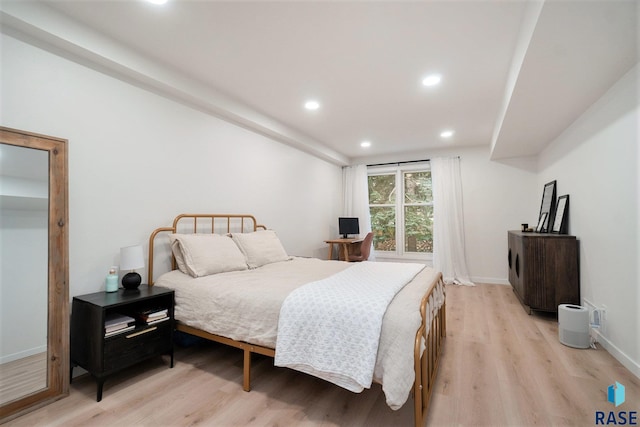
(573, 325)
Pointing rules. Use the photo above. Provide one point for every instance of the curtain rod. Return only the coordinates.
(399, 163)
(402, 163)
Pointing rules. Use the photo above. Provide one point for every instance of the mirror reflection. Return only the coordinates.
(24, 210)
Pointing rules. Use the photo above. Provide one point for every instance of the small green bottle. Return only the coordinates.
(111, 282)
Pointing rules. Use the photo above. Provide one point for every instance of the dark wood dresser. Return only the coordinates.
(543, 269)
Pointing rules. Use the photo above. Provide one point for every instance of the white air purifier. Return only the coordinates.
(573, 325)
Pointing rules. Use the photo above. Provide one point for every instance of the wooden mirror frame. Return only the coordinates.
(57, 385)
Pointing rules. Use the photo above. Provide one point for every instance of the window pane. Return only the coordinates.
(383, 224)
(418, 229)
(382, 189)
(417, 187)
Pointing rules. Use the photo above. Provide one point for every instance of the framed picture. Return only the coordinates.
(547, 206)
(562, 214)
(541, 222)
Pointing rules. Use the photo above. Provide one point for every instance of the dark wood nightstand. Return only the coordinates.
(102, 353)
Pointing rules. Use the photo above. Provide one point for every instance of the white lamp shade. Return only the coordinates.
(131, 258)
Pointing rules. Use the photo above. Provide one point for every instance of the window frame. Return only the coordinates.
(398, 170)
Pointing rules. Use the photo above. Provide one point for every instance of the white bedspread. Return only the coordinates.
(331, 328)
(245, 306)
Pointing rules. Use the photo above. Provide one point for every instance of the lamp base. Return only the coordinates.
(131, 280)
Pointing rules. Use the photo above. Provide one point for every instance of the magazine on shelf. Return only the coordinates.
(119, 331)
(117, 319)
(162, 319)
(153, 314)
(118, 327)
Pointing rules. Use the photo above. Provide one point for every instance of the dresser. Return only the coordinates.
(543, 269)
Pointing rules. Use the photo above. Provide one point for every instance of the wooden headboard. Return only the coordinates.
(197, 224)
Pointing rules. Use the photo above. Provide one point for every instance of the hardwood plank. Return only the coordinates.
(499, 366)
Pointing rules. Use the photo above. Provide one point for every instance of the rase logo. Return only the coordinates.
(615, 396)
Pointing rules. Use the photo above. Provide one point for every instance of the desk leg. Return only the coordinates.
(345, 252)
(330, 251)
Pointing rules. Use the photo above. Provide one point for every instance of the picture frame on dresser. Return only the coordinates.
(541, 222)
(560, 222)
(547, 206)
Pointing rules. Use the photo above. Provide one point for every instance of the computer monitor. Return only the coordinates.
(348, 226)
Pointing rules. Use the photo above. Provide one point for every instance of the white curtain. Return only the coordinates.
(356, 197)
(448, 221)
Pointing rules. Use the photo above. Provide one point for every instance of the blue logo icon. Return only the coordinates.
(615, 394)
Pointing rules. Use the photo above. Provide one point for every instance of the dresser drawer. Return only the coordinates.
(131, 347)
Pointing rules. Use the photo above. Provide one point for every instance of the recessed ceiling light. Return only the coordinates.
(432, 80)
(312, 105)
(160, 2)
(365, 144)
(446, 134)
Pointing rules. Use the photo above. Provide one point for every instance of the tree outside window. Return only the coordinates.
(401, 208)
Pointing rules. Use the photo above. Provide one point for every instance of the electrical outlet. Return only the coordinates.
(597, 315)
(603, 317)
(595, 319)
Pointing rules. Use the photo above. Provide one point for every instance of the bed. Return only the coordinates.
(235, 285)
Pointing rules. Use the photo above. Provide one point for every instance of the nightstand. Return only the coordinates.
(143, 328)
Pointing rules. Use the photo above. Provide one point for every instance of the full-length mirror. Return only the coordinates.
(34, 362)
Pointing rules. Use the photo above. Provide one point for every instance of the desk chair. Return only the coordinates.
(365, 250)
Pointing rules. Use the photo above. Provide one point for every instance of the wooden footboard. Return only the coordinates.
(427, 349)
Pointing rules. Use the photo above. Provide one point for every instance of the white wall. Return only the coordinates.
(497, 197)
(136, 160)
(596, 162)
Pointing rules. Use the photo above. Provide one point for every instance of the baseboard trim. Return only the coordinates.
(618, 354)
(490, 280)
(23, 353)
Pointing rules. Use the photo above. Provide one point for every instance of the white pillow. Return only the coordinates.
(260, 247)
(176, 249)
(205, 254)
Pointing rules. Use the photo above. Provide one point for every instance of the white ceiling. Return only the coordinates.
(514, 73)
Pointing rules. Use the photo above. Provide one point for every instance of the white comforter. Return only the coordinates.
(245, 306)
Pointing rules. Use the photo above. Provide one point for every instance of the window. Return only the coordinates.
(401, 208)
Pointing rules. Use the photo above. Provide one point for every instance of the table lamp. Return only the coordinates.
(131, 258)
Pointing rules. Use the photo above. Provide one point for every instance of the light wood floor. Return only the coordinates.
(499, 367)
(23, 376)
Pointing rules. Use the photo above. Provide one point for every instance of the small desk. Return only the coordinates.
(345, 247)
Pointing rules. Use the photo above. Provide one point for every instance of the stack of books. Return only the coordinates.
(155, 315)
(116, 323)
